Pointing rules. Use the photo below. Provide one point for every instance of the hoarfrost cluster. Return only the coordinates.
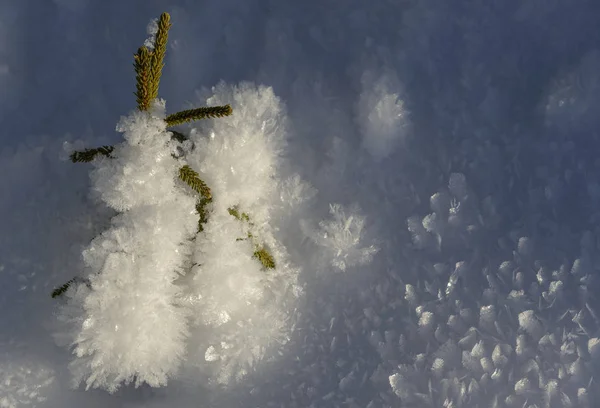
(159, 296)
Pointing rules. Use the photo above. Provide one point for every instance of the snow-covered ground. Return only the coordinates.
(425, 173)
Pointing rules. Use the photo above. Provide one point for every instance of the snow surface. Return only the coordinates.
(424, 172)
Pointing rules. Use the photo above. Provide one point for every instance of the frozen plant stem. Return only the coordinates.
(261, 253)
(88, 155)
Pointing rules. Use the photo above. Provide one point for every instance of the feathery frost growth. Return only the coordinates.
(341, 239)
(241, 286)
(495, 331)
(133, 265)
(23, 381)
(183, 265)
(381, 115)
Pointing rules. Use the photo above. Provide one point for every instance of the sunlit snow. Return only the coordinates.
(424, 173)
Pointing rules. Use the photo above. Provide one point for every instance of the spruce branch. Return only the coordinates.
(265, 258)
(202, 212)
(197, 114)
(62, 289)
(189, 176)
(142, 78)
(158, 55)
(261, 252)
(234, 211)
(87, 155)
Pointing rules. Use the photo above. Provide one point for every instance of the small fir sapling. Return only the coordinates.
(130, 324)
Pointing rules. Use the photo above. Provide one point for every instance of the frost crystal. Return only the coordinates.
(342, 238)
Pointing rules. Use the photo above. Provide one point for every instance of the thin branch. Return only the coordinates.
(197, 114)
(142, 78)
(158, 55)
(88, 155)
(189, 176)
